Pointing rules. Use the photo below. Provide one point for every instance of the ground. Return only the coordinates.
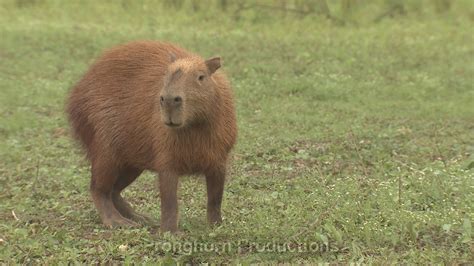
(356, 142)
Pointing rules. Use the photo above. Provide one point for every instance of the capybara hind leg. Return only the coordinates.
(168, 184)
(215, 188)
(102, 183)
(125, 178)
(127, 211)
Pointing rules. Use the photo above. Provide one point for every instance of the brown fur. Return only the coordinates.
(116, 114)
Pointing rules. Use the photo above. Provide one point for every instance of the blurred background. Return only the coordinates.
(340, 12)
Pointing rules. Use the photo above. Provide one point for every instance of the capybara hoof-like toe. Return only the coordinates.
(144, 220)
(167, 228)
(214, 219)
(120, 223)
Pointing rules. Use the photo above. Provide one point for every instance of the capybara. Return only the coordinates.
(150, 105)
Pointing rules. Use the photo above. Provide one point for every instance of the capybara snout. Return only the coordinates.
(153, 106)
(172, 110)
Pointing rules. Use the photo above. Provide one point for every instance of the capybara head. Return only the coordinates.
(189, 92)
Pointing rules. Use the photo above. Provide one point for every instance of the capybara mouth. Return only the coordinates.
(171, 124)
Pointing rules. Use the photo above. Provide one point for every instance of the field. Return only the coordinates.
(356, 141)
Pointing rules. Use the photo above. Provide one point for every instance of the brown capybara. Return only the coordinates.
(153, 106)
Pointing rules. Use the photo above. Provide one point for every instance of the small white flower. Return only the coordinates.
(123, 248)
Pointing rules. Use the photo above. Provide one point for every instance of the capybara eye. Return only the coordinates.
(201, 77)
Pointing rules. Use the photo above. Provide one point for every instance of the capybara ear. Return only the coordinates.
(172, 57)
(213, 64)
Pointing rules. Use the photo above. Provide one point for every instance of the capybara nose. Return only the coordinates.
(171, 101)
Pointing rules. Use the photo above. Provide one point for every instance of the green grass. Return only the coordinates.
(354, 140)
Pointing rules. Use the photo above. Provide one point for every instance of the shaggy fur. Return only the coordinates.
(153, 106)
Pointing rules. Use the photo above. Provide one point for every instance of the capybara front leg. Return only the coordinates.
(168, 184)
(102, 183)
(215, 188)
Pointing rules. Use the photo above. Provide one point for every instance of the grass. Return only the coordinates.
(355, 143)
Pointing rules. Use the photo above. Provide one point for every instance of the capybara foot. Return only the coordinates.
(117, 221)
(144, 219)
(214, 218)
(127, 211)
(169, 227)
